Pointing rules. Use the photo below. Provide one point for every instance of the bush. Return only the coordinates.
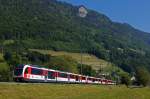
(86, 70)
(37, 58)
(63, 63)
(143, 76)
(4, 75)
(125, 79)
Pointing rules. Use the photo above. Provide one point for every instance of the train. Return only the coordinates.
(38, 74)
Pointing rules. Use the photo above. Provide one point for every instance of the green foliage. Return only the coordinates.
(4, 75)
(8, 42)
(63, 63)
(37, 58)
(125, 79)
(86, 70)
(142, 76)
(8, 56)
(12, 59)
(1, 58)
(4, 71)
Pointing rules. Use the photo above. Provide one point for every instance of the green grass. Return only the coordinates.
(58, 91)
(87, 59)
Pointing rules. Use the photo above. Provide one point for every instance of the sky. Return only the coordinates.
(133, 12)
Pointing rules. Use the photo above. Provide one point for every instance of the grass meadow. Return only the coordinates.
(68, 91)
(87, 59)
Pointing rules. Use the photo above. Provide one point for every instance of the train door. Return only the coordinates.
(68, 78)
(86, 79)
(56, 75)
(76, 77)
(27, 72)
(45, 76)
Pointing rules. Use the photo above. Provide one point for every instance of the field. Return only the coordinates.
(87, 59)
(62, 91)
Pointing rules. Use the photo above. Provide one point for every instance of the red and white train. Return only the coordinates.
(32, 73)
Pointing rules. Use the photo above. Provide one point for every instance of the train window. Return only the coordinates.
(83, 78)
(90, 79)
(93, 80)
(18, 72)
(72, 76)
(63, 75)
(20, 66)
(51, 75)
(36, 71)
(77, 78)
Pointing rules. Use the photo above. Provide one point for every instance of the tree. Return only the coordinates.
(125, 79)
(86, 70)
(4, 75)
(142, 75)
(7, 56)
(63, 63)
(38, 58)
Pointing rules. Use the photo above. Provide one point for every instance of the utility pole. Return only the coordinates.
(18, 46)
(82, 13)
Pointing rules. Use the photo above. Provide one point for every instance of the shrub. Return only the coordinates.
(142, 75)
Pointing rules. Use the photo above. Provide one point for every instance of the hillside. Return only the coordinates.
(56, 91)
(87, 59)
(54, 25)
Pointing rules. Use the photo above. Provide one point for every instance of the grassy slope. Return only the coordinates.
(52, 91)
(86, 58)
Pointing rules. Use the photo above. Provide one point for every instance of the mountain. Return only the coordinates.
(55, 25)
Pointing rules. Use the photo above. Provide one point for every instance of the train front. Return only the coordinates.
(18, 73)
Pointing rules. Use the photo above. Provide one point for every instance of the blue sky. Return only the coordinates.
(133, 12)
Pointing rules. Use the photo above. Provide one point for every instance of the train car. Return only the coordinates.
(33, 73)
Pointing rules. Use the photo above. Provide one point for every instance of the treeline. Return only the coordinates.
(141, 78)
